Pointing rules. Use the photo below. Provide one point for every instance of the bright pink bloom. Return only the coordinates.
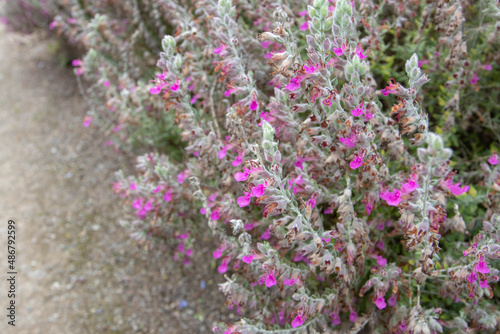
(335, 318)
(244, 200)
(215, 215)
(304, 26)
(483, 283)
(487, 67)
(289, 282)
(392, 198)
(380, 303)
(218, 253)
(349, 141)
(175, 86)
(137, 204)
(454, 188)
(359, 51)
(482, 267)
(270, 280)
(381, 261)
(474, 79)
(472, 277)
(409, 186)
(254, 105)
(168, 196)
(353, 316)
(340, 51)
(194, 99)
(493, 160)
(266, 235)
(311, 69)
(222, 268)
(222, 153)
(54, 24)
(247, 258)
(181, 177)
(357, 162)
(86, 121)
(298, 321)
(220, 49)
(259, 190)
(241, 176)
(392, 301)
(294, 83)
(132, 186)
(359, 110)
(303, 13)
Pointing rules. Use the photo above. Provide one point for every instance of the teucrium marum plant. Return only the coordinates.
(331, 195)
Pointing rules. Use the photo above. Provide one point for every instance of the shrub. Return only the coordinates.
(317, 151)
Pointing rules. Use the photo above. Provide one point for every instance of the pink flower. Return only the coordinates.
(244, 200)
(304, 26)
(349, 141)
(353, 316)
(357, 162)
(303, 13)
(454, 188)
(311, 69)
(222, 153)
(493, 160)
(474, 79)
(220, 49)
(137, 204)
(381, 261)
(259, 190)
(335, 318)
(247, 258)
(194, 99)
(340, 51)
(175, 86)
(289, 282)
(181, 177)
(270, 280)
(168, 196)
(86, 121)
(218, 253)
(54, 24)
(241, 176)
(215, 215)
(482, 267)
(472, 277)
(380, 303)
(409, 186)
(392, 198)
(359, 110)
(392, 301)
(359, 51)
(223, 267)
(132, 186)
(487, 67)
(483, 283)
(266, 235)
(298, 321)
(238, 160)
(294, 83)
(254, 105)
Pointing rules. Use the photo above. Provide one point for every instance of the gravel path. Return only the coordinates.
(78, 270)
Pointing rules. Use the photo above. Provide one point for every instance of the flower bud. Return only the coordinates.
(167, 43)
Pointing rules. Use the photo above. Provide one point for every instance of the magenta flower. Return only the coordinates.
(247, 258)
(289, 282)
(454, 188)
(220, 49)
(357, 162)
(487, 67)
(409, 186)
(392, 198)
(137, 204)
(380, 303)
(472, 277)
(349, 141)
(474, 79)
(482, 267)
(168, 196)
(359, 110)
(298, 321)
(181, 177)
(244, 200)
(392, 301)
(335, 318)
(254, 105)
(353, 316)
(381, 261)
(241, 176)
(484, 283)
(132, 186)
(218, 253)
(266, 235)
(340, 51)
(359, 51)
(270, 280)
(215, 215)
(493, 160)
(86, 121)
(223, 266)
(222, 153)
(259, 190)
(294, 83)
(304, 26)
(311, 69)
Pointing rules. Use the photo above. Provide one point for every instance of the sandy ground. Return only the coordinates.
(78, 272)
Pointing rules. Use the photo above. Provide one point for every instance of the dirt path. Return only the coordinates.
(78, 270)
